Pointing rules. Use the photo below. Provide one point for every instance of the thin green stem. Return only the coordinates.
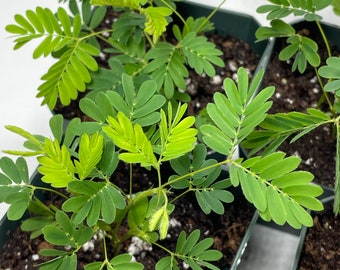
(190, 174)
(180, 195)
(336, 206)
(50, 190)
(174, 11)
(210, 15)
(324, 38)
(131, 180)
(324, 94)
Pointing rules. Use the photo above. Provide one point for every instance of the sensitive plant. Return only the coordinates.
(301, 50)
(139, 117)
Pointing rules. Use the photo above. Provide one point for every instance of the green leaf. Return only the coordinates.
(90, 153)
(155, 21)
(125, 261)
(137, 212)
(56, 166)
(278, 28)
(276, 207)
(331, 71)
(117, 3)
(167, 263)
(236, 114)
(97, 17)
(273, 187)
(109, 161)
(132, 139)
(201, 54)
(56, 124)
(197, 251)
(167, 67)
(278, 127)
(93, 201)
(289, 52)
(64, 262)
(177, 136)
(68, 75)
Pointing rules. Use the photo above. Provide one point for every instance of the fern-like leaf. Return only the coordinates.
(331, 71)
(156, 22)
(90, 153)
(119, 3)
(201, 54)
(277, 191)
(167, 67)
(140, 105)
(235, 115)
(192, 251)
(35, 143)
(283, 8)
(177, 136)
(209, 190)
(278, 127)
(93, 201)
(56, 166)
(71, 72)
(69, 75)
(132, 139)
(15, 186)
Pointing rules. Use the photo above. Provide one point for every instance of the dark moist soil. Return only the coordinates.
(296, 92)
(226, 230)
(323, 254)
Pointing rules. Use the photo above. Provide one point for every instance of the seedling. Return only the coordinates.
(137, 120)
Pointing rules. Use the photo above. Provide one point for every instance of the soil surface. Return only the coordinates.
(324, 253)
(297, 92)
(226, 230)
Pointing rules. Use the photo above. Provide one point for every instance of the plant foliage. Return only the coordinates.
(301, 50)
(138, 120)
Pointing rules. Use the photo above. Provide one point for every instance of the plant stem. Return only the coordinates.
(206, 20)
(190, 174)
(180, 195)
(336, 206)
(324, 38)
(50, 190)
(174, 11)
(131, 180)
(324, 94)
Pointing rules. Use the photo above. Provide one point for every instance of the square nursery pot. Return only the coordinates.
(227, 24)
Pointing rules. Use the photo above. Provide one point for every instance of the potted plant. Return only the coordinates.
(136, 124)
(303, 117)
